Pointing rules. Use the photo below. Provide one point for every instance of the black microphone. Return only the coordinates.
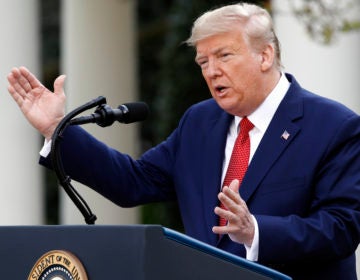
(104, 115)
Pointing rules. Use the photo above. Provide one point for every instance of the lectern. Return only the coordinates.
(138, 252)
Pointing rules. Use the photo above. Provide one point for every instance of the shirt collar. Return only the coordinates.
(262, 116)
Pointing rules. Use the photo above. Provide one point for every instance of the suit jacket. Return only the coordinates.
(303, 189)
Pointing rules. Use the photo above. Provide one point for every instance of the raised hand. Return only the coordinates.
(42, 108)
(240, 226)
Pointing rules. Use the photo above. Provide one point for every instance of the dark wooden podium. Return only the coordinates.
(124, 252)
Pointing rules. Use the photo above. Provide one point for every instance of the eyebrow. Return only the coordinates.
(215, 52)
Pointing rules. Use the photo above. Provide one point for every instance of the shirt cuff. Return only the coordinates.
(46, 149)
(252, 253)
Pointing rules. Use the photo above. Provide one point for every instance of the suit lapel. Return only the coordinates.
(281, 132)
(211, 173)
(270, 149)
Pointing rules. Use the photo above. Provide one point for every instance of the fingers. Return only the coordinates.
(14, 88)
(17, 97)
(231, 191)
(59, 84)
(223, 213)
(14, 85)
(240, 226)
(21, 82)
(235, 207)
(229, 198)
(234, 185)
(29, 77)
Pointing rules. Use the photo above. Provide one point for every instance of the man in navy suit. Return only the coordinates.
(297, 209)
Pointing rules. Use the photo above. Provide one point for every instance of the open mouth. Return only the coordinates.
(220, 89)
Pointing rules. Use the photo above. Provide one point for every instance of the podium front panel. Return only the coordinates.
(138, 252)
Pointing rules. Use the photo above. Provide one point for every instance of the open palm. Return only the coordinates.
(42, 108)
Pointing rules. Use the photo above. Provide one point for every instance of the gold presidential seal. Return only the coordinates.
(58, 265)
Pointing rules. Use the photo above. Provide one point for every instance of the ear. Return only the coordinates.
(267, 57)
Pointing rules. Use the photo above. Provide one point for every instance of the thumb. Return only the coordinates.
(59, 84)
(235, 185)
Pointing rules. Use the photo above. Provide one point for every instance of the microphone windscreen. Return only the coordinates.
(134, 111)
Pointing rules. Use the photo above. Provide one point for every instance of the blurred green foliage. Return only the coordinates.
(50, 61)
(325, 20)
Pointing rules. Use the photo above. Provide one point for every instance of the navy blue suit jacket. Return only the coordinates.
(304, 190)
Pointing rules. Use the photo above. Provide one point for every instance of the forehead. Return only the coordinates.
(215, 43)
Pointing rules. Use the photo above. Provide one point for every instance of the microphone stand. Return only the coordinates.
(64, 179)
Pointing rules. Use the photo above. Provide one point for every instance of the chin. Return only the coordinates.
(229, 109)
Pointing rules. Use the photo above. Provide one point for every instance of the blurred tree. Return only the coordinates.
(50, 59)
(324, 20)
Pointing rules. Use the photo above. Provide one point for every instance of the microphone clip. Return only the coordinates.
(105, 115)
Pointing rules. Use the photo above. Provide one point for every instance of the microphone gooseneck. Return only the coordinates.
(104, 115)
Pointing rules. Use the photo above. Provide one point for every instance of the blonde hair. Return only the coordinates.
(255, 22)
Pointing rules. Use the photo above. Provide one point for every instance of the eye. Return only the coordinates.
(225, 55)
(202, 63)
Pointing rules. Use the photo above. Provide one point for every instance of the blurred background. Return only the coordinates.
(129, 50)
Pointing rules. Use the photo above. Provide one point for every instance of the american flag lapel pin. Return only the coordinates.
(285, 135)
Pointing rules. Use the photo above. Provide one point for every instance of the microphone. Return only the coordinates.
(104, 115)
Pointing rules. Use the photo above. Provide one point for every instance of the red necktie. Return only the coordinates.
(239, 160)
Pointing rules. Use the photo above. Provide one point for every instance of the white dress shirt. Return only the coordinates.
(261, 119)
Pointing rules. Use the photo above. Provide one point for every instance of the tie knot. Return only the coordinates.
(245, 125)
